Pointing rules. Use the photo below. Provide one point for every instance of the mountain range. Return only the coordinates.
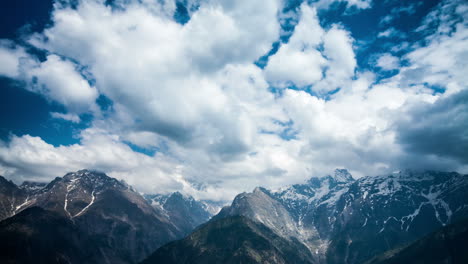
(342, 220)
(88, 217)
(118, 224)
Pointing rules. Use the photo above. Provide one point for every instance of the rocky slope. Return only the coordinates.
(232, 240)
(184, 210)
(11, 198)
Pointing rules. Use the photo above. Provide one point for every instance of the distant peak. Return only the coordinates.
(4, 181)
(32, 185)
(181, 195)
(259, 190)
(342, 175)
(339, 176)
(84, 172)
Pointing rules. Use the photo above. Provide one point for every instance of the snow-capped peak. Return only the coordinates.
(342, 175)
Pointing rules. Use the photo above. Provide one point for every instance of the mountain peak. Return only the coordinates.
(32, 185)
(338, 176)
(5, 182)
(84, 173)
(342, 175)
(259, 190)
(95, 178)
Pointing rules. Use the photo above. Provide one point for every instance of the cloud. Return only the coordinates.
(388, 62)
(441, 59)
(216, 122)
(358, 4)
(391, 33)
(30, 157)
(10, 56)
(151, 54)
(299, 62)
(439, 129)
(302, 62)
(68, 117)
(58, 80)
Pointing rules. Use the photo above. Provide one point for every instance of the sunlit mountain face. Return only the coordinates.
(269, 131)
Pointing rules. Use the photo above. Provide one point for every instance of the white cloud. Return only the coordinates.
(59, 81)
(152, 54)
(359, 4)
(55, 78)
(391, 33)
(388, 62)
(300, 62)
(192, 94)
(69, 117)
(10, 56)
(442, 61)
(341, 60)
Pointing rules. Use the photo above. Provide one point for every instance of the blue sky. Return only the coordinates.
(174, 95)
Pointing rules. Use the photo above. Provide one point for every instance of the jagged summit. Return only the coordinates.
(339, 176)
(342, 175)
(32, 187)
(4, 183)
(94, 179)
(86, 174)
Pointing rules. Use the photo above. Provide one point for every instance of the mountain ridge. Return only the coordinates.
(121, 222)
(374, 212)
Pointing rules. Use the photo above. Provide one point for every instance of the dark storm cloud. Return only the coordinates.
(439, 129)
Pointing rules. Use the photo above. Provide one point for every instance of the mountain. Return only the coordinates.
(384, 212)
(119, 221)
(11, 198)
(342, 220)
(447, 245)
(184, 210)
(233, 240)
(330, 219)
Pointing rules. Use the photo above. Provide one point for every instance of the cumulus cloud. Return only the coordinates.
(163, 72)
(10, 56)
(30, 157)
(55, 78)
(59, 81)
(192, 94)
(301, 62)
(388, 62)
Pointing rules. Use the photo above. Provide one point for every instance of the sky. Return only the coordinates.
(215, 97)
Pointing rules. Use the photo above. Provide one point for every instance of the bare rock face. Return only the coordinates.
(261, 207)
(182, 209)
(11, 198)
(232, 240)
